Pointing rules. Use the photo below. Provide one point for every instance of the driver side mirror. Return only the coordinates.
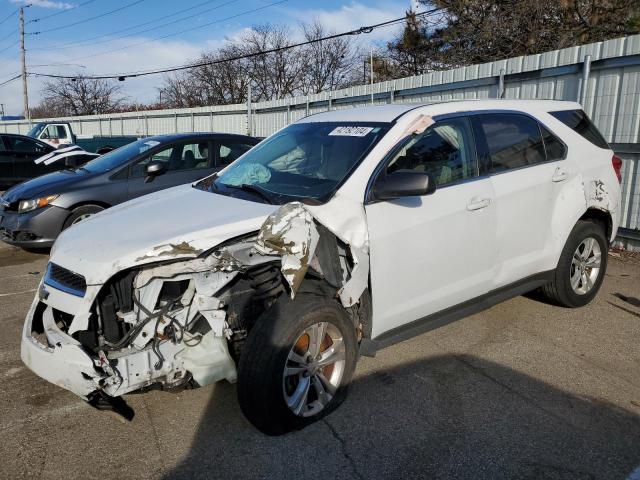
(154, 169)
(403, 183)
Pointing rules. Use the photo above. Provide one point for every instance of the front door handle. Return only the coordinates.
(559, 175)
(478, 203)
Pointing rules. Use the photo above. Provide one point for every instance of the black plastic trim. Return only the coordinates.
(369, 347)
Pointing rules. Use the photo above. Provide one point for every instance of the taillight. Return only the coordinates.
(617, 166)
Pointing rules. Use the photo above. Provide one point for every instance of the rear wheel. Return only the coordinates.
(81, 213)
(296, 364)
(581, 268)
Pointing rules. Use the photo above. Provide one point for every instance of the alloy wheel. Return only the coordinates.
(585, 266)
(314, 369)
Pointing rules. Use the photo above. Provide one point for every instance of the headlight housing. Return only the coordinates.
(32, 204)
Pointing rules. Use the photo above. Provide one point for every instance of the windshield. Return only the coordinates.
(36, 129)
(304, 160)
(119, 156)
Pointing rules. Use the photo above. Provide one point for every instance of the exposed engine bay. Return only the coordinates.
(177, 323)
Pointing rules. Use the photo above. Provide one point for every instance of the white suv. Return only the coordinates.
(341, 234)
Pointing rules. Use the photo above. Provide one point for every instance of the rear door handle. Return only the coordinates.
(559, 175)
(477, 203)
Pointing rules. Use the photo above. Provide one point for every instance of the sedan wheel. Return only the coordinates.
(81, 218)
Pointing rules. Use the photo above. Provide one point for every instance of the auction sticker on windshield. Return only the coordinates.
(351, 131)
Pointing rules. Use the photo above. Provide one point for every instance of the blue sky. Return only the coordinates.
(173, 32)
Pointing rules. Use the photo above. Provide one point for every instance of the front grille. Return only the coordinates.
(65, 280)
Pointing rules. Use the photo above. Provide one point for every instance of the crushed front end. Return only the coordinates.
(167, 324)
(179, 322)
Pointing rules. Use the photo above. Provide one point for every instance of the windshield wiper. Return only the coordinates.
(247, 187)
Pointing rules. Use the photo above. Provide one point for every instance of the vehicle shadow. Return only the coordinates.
(451, 416)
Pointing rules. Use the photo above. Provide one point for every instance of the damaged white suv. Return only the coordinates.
(341, 234)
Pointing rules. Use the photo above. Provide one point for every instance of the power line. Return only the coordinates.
(60, 12)
(179, 32)
(11, 45)
(73, 24)
(9, 16)
(10, 34)
(10, 80)
(122, 76)
(87, 41)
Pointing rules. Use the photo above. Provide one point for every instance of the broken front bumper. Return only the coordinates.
(55, 356)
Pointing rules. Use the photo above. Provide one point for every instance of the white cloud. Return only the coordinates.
(44, 4)
(356, 15)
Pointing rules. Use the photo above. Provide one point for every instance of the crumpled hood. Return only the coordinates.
(179, 222)
(48, 184)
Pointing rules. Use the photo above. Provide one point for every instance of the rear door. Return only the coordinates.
(24, 151)
(7, 176)
(186, 161)
(523, 180)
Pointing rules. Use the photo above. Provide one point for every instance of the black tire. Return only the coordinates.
(559, 290)
(79, 212)
(264, 356)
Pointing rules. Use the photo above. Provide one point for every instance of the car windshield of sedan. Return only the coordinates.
(302, 161)
(119, 156)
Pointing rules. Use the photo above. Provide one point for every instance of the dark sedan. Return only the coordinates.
(33, 213)
(17, 155)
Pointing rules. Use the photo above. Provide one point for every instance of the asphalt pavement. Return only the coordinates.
(523, 390)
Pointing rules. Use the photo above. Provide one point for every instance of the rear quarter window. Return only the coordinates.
(555, 149)
(579, 122)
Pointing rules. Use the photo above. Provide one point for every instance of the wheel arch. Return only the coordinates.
(87, 203)
(602, 217)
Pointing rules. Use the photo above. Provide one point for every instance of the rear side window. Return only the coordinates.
(556, 150)
(229, 150)
(513, 140)
(18, 144)
(578, 121)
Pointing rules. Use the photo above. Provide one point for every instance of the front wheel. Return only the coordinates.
(581, 268)
(80, 214)
(296, 364)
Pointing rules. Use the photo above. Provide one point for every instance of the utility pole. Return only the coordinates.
(25, 94)
(249, 113)
(371, 75)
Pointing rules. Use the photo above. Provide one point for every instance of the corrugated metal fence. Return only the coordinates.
(610, 95)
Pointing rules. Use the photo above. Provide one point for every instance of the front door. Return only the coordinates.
(432, 252)
(24, 151)
(185, 163)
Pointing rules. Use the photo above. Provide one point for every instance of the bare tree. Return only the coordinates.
(277, 74)
(222, 82)
(80, 96)
(329, 64)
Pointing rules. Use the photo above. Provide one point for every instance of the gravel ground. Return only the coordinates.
(523, 390)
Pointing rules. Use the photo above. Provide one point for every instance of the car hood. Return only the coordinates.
(48, 184)
(179, 222)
